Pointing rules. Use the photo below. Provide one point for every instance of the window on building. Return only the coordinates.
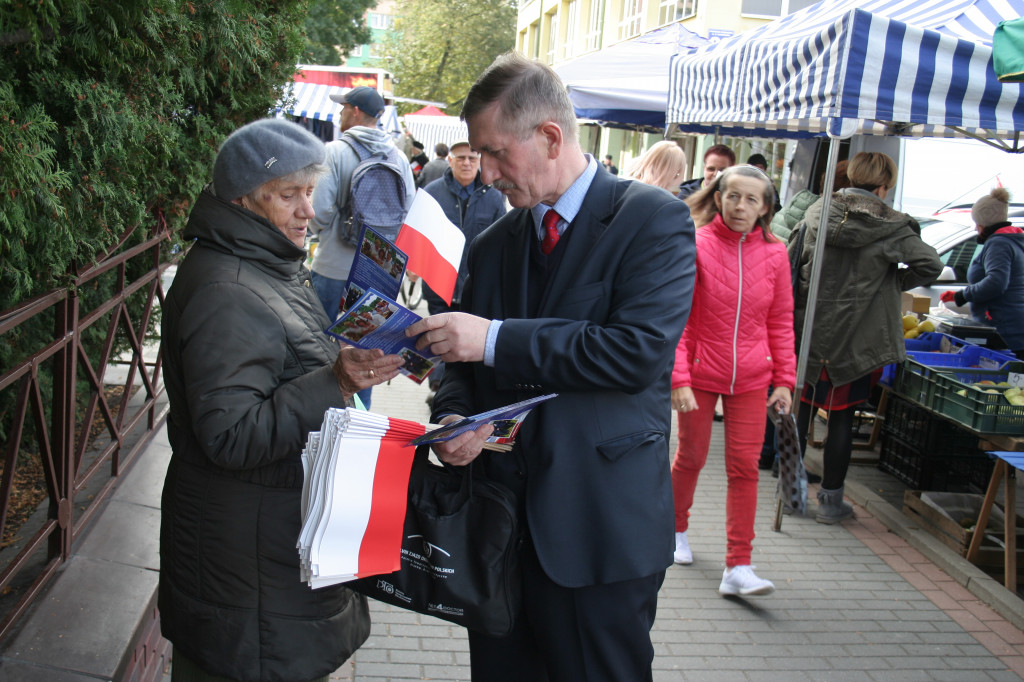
(376, 50)
(378, 20)
(552, 51)
(356, 52)
(632, 18)
(774, 8)
(595, 26)
(670, 11)
(572, 16)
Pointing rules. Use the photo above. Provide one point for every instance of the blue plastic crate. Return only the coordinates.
(932, 342)
(915, 377)
(977, 357)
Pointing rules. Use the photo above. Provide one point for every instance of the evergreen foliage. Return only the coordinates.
(440, 47)
(112, 113)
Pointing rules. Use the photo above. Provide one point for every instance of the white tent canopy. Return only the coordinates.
(627, 82)
(845, 67)
(433, 129)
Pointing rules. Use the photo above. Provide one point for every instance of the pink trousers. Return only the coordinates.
(744, 435)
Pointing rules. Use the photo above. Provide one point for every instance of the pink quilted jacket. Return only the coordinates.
(739, 336)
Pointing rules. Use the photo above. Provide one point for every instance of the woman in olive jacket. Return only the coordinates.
(249, 372)
(857, 326)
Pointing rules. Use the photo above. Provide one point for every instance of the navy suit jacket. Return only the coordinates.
(591, 466)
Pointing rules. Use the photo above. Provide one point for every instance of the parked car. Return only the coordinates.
(951, 231)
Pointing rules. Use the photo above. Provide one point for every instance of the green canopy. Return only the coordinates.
(1008, 51)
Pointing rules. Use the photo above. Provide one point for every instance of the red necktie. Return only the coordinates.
(550, 224)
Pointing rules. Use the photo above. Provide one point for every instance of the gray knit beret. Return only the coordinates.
(262, 151)
(992, 209)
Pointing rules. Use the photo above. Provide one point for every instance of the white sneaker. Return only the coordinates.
(741, 580)
(683, 554)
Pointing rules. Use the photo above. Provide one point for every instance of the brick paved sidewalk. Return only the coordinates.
(853, 602)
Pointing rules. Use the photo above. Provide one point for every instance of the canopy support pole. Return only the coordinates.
(812, 289)
(812, 298)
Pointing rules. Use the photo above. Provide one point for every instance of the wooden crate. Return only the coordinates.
(954, 536)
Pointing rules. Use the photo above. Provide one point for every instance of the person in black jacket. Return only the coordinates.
(249, 373)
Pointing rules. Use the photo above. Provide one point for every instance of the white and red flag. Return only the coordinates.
(354, 496)
(434, 245)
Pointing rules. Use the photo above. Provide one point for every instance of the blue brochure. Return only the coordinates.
(378, 321)
(378, 264)
(506, 420)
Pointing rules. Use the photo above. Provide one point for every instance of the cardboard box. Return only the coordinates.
(915, 303)
(953, 535)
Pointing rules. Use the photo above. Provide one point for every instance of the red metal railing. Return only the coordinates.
(92, 425)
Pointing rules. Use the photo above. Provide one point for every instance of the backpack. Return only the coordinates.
(378, 195)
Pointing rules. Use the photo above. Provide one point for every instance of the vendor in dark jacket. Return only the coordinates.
(249, 372)
(996, 277)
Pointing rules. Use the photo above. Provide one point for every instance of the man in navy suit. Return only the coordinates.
(589, 303)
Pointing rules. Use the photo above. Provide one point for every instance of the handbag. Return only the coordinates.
(792, 486)
(460, 551)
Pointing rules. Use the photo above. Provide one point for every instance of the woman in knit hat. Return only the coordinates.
(996, 276)
(249, 373)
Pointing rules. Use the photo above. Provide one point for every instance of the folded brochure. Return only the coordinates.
(378, 321)
(506, 421)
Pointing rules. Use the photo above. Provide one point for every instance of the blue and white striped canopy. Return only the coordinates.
(920, 68)
(313, 100)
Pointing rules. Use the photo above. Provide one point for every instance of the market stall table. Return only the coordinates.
(1006, 467)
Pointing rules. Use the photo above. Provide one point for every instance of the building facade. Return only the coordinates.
(555, 31)
(381, 21)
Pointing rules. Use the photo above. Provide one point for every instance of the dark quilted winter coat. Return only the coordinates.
(248, 374)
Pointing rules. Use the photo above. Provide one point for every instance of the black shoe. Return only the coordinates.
(813, 477)
(775, 468)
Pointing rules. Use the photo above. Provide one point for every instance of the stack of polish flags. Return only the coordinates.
(354, 493)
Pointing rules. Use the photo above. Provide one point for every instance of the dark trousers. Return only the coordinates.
(585, 634)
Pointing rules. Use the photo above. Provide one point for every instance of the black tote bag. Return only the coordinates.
(460, 551)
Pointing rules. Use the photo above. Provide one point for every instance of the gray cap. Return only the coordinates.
(992, 209)
(365, 98)
(262, 151)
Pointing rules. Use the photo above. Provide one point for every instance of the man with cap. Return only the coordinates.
(249, 373)
(472, 206)
(360, 109)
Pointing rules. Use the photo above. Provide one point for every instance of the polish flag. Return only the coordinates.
(434, 245)
(356, 490)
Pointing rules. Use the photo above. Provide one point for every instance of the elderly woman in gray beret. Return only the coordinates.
(249, 372)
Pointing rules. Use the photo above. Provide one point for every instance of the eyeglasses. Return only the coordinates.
(463, 158)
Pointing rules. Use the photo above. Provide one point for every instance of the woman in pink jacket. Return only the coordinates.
(737, 343)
